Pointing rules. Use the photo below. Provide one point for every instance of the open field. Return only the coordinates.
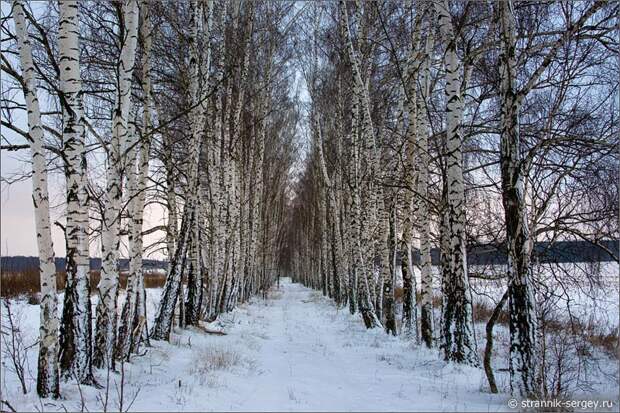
(27, 283)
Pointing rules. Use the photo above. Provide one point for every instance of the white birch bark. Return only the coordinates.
(333, 208)
(426, 280)
(458, 342)
(189, 236)
(162, 324)
(199, 66)
(521, 288)
(410, 318)
(235, 164)
(171, 202)
(227, 194)
(122, 139)
(220, 171)
(133, 315)
(521, 301)
(361, 265)
(256, 239)
(340, 225)
(410, 94)
(386, 298)
(75, 331)
(47, 375)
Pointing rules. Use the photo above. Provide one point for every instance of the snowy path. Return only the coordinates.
(293, 351)
(303, 355)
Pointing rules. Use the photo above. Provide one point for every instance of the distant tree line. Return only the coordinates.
(25, 263)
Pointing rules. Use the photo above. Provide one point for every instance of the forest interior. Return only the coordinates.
(336, 205)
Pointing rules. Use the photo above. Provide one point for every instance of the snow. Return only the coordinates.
(591, 303)
(293, 351)
(596, 303)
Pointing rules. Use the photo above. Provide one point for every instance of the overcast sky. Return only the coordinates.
(17, 226)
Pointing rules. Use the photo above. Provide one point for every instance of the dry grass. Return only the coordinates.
(609, 342)
(214, 358)
(590, 332)
(27, 283)
(482, 313)
(398, 297)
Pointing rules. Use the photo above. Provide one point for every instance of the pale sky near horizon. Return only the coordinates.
(17, 227)
(17, 224)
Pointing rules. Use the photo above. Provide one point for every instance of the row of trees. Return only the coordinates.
(179, 104)
(452, 124)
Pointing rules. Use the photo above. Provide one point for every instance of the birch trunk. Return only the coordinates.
(162, 324)
(458, 342)
(75, 356)
(389, 249)
(360, 264)
(521, 301)
(199, 63)
(220, 237)
(426, 281)
(171, 202)
(322, 224)
(410, 308)
(47, 373)
(131, 327)
(188, 237)
(122, 138)
(521, 291)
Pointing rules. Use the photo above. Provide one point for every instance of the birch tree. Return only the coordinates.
(361, 263)
(122, 139)
(172, 288)
(521, 294)
(47, 369)
(75, 329)
(410, 307)
(200, 55)
(133, 315)
(423, 210)
(458, 342)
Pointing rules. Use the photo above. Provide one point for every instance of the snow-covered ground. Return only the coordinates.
(586, 291)
(589, 292)
(294, 351)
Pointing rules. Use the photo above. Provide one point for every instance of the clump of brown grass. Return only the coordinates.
(609, 342)
(399, 292)
(27, 283)
(214, 358)
(154, 280)
(482, 313)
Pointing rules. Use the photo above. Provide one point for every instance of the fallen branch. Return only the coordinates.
(214, 332)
